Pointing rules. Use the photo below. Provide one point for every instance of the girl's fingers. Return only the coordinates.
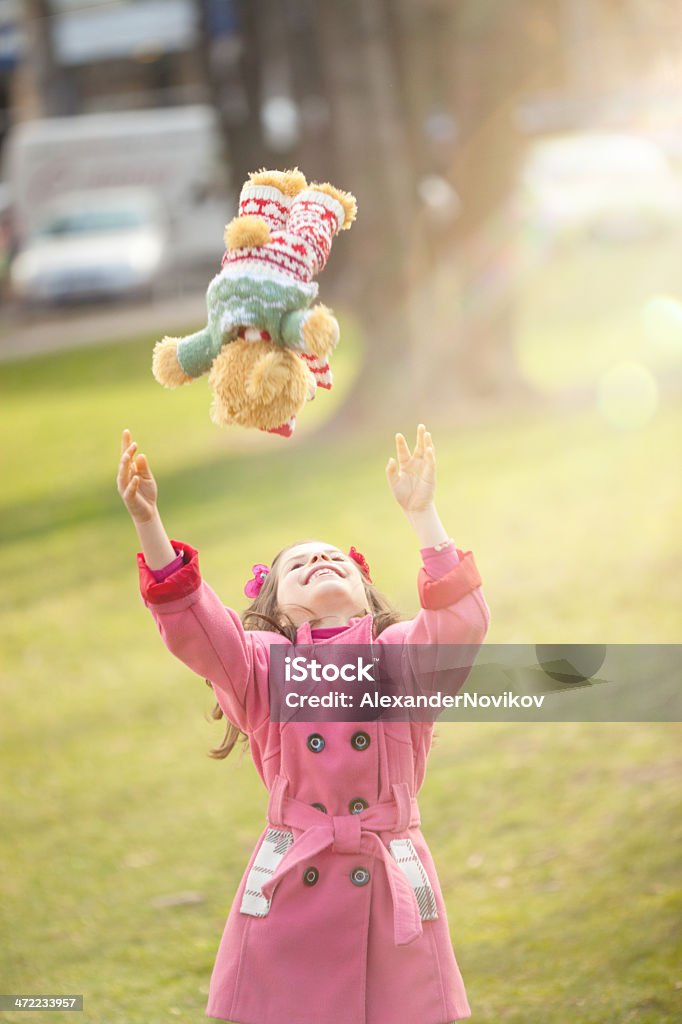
(402, 450)
(419, 443)
(127, 441)
(142, 467)
(123, 476)
(130, 490)
(128, 453)
(392, 470)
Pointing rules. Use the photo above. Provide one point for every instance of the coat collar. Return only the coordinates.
(359, 631)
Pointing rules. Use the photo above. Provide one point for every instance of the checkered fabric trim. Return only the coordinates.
(408, 861)
(275, 844)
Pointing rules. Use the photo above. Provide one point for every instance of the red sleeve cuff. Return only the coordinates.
(446, 591)
(184, 581)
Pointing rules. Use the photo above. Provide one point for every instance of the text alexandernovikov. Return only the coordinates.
(303, 670)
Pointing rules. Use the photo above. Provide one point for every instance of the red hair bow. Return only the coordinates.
(361, 561)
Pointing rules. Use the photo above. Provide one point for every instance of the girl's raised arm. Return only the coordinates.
(138, 490)
(194, 624)
(453, 609)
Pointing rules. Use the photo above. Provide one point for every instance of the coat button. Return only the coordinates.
(360, 740)
(315, 742)
(320, 807)
(359, 876)
(357, 804)
(310, 876)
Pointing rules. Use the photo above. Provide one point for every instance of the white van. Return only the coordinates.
(173, 152)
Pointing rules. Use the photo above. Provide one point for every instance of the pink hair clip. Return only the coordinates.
(361, 561)
(254, 585)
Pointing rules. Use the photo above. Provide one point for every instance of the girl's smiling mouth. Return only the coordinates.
(321, 569)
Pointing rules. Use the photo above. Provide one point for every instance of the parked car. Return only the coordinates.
(608, 186)
(95, 244)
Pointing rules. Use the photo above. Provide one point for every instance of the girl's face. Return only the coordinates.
(317, 581)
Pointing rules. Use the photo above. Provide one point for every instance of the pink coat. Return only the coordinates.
(339, 916)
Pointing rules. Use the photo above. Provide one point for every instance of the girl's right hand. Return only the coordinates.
(135, 482)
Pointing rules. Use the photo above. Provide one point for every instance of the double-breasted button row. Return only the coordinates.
(356, 805)
(358, 741)
(358, 876)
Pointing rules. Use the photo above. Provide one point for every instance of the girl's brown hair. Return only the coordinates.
(265, 613)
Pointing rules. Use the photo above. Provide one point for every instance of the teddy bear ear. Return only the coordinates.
(248, 231)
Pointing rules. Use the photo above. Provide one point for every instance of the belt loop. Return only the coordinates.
(276, 801)
(403, 800)
(347, 830)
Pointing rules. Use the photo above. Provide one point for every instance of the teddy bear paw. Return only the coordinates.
(320, 331)
(166, 365)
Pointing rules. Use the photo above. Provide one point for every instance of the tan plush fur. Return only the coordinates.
(256, 383)
(320, 331)
(244, 232)
(289, 182)
(347, 200)
(165, 365)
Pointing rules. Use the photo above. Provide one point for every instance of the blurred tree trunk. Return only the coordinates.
(316, 151)
(51, 96)
(501, 53)
(372, 159)
(233, 77)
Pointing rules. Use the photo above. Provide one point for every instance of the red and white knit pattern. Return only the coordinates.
(267, 202)
(285, 429)
(285, 253)
(320, 369)
(315, 218)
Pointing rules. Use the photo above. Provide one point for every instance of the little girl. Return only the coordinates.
(339, 916)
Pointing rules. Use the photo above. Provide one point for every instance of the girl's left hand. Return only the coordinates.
(413, 477)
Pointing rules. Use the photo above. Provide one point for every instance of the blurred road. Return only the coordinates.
(28, 333)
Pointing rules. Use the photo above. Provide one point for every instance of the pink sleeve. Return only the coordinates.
(453, 612)
(440, 559)
(453, 608)
(209, 638)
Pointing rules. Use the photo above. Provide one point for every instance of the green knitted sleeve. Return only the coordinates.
(196, 352)
(291, 328)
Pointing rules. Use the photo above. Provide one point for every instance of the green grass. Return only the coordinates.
(555, 843)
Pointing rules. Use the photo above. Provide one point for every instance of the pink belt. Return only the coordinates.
(350, 833)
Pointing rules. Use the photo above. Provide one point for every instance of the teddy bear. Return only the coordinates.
(265, 347)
